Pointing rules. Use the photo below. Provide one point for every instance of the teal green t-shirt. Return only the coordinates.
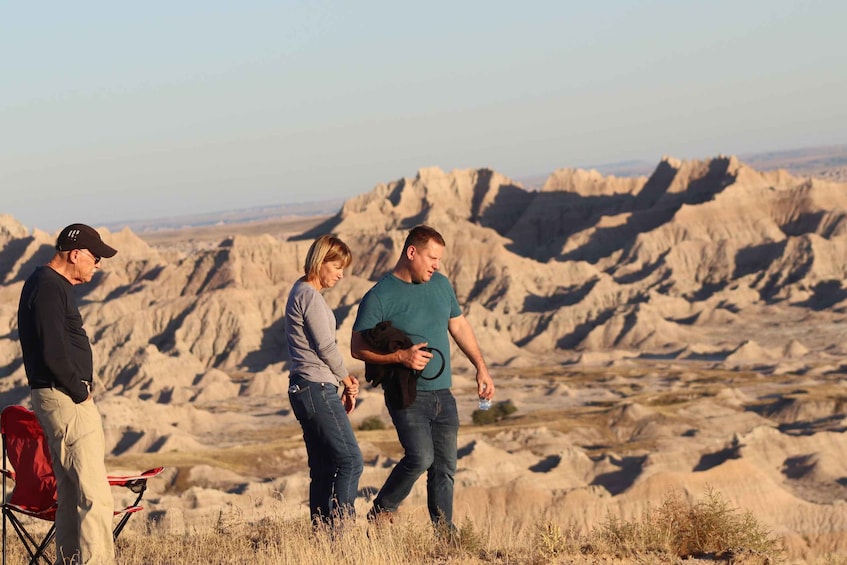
(422, 311)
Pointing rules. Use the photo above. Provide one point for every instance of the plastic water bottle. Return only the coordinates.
(484, 403)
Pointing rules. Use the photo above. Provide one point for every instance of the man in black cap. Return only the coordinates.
(59, 368)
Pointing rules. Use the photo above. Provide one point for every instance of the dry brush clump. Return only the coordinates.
(706, 529)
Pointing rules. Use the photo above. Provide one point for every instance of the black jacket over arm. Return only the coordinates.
(400, 382)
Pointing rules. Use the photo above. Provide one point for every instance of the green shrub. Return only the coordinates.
(497, 412)
(372, 423)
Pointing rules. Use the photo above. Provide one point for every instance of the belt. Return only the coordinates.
(88, 385)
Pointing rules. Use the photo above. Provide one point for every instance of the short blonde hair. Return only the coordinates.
(326, 249)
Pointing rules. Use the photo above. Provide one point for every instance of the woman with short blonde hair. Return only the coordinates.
(317, 371)
(326, 249)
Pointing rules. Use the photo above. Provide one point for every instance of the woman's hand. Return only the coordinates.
(350, 392)
(351, 383)
(348, 399)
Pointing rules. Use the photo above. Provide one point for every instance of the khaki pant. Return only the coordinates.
(77, 446)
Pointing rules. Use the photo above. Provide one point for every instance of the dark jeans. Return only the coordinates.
(428, 431)
(335, 460)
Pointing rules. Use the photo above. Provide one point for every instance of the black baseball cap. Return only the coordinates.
(80, 236)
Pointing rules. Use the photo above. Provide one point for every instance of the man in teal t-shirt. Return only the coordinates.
(421, 302)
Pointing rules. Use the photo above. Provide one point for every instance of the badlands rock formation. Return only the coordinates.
(679, 331)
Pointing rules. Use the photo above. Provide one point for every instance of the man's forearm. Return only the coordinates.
(465, 338)
(414, 357)
(359, 350)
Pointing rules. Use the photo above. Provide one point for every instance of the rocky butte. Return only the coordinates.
(676, 331)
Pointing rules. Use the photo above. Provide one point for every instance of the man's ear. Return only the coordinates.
(411, 251)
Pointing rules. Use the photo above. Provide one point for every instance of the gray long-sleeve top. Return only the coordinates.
(310, 332)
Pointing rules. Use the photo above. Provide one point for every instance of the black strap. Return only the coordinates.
(419, 374)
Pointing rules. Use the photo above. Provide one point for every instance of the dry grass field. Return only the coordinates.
(674, 532)
(674, 528)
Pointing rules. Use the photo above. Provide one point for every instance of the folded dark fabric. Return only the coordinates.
(399, 381)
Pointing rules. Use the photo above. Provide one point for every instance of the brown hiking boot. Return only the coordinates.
(379, 520)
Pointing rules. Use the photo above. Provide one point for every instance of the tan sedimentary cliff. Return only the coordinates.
(705, 267)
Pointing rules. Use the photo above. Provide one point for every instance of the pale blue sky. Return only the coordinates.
(113, 111)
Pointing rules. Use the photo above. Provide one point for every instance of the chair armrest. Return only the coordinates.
(122, 480)
(135, 483)
(128, 510)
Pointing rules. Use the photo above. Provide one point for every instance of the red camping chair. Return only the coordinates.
(34, 492)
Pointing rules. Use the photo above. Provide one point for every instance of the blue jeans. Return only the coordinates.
(335, 460)
(428, 431)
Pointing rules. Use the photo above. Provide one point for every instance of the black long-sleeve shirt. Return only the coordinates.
(57, 352)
